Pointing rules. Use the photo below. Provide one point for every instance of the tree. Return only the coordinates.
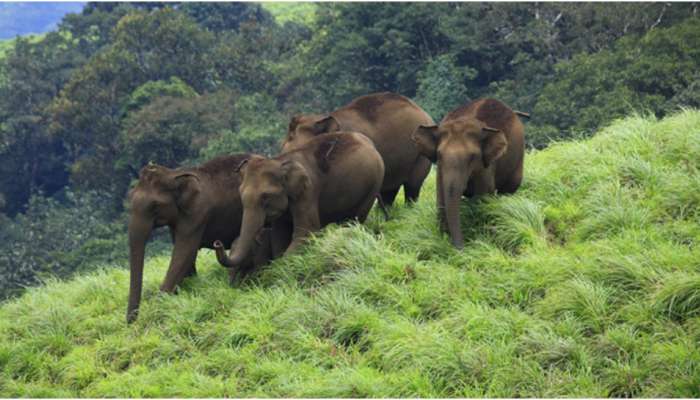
(147, 46)
(227, 16)
(441, 86)
(651, 73)
(259, 129)
(172, 130)
(30, 159)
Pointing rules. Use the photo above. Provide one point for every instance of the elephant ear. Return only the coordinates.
(293, 123)
(240, 168)
(187, 189)
(426, 140)
(327, 124)
(296, 180)
(493, 146)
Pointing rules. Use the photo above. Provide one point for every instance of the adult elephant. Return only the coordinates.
(479, 149)
(332, 178)
(389, 119)
(199, 205)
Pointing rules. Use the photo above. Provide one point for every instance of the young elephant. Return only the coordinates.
(332, 178)
(388, 119)
(199, 205)
(479, 149)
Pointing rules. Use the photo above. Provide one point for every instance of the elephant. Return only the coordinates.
(479, 149)
(199, 205)
(332, 178)
(389, 119)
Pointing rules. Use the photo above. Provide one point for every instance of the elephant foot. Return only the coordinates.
(169, 290)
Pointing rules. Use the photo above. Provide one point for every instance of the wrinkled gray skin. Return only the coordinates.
(199, 205)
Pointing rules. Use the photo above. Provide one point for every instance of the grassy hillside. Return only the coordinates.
(585, 283)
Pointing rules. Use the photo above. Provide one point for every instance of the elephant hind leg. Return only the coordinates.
(388, 196)
(362, 211)
(420, 171)
(513, 183)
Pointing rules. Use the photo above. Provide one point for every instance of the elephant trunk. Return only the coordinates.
(452, 195)
(240, 249)
(221, 256)
(139, 230)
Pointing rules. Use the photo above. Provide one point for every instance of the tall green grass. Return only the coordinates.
(584, 283)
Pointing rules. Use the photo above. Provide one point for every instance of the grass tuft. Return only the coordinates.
(679, 296)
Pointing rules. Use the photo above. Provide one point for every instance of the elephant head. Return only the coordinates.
(461, 148)
(160, 198)
(267, 187)
(303, 128)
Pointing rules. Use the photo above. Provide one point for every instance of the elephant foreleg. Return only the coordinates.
(280, 236)
(306, 220)
(192, 270)
(182, 261)
(411, 189)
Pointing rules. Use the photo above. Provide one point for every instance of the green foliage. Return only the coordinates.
(227, 16)
(657, 73)
(30, 159)
(147, 47)
(171, 130)
(299, 12)
(144, 94)
(553, 295)
(80, 86)
(260, 126)
(56, 239)
(441, 86)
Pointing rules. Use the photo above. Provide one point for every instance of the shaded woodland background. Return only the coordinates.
(84, 107)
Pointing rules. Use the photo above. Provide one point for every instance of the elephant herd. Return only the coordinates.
(331, 169)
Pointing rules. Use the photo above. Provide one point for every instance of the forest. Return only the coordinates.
(84, 107)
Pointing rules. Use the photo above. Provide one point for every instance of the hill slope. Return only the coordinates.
(585, 283)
